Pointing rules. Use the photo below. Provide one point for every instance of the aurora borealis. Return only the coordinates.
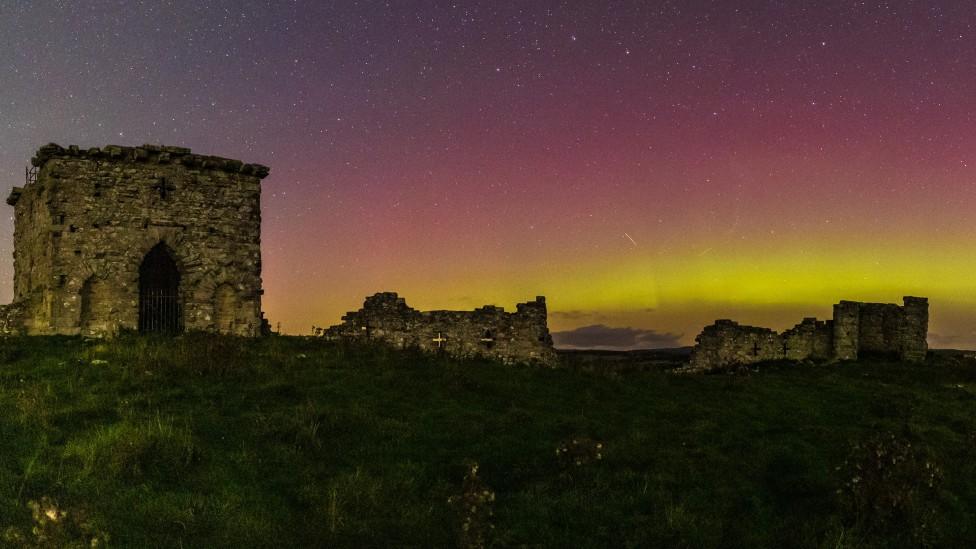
(645, 165)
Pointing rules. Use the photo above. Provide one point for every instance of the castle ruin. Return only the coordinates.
(856, 329)
(522, 336)
(150, 238)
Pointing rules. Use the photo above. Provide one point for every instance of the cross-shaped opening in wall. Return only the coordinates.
(164, 188)
(439, 340)
(487, 339)
(755, 348)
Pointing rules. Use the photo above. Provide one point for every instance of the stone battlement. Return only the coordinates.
(152, 154)
(489, 331)
(149, 154)
(856, 328)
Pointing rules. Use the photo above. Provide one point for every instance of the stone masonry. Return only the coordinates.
(11, 323)
(519, 337)
(151, 238)
(856, 329)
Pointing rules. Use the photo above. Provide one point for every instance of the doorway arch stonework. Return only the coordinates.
(160, 302)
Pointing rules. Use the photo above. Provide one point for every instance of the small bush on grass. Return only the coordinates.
(891, 489)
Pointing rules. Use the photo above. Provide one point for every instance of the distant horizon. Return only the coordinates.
(648, 167)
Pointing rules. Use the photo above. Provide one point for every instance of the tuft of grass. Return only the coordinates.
(130, 450)
(33, 404)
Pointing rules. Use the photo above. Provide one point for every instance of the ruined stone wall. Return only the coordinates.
(32, 259)
(727, 343)
(879, 328)
(915, 328)
(810, 339)
(846, 325)
(823, 340)
(84, 227)
(856, 328)
(886, 328)
(522, 336)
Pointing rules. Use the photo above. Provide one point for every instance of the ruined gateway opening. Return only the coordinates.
(160, 307)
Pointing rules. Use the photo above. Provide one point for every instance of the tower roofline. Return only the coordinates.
(150, 154)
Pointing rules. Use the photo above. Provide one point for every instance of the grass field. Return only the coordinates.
(291, 442)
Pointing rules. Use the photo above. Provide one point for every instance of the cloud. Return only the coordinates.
(573, 315)
(964, 342)
(599, 336)
(576, 314)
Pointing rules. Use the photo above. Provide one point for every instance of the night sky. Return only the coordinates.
(648, 166)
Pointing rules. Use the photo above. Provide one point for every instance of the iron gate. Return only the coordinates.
(160, 311)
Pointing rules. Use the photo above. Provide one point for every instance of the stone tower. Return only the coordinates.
(148, 238)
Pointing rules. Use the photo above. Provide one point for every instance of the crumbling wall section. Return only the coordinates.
(519, 337)
(880, 328)
(33, 255)
(810, 339)
(823, 340)
(847, 321)
(915, 327)
(384, 316)
(728, 343)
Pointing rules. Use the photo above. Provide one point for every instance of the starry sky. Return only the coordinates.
(649, 166)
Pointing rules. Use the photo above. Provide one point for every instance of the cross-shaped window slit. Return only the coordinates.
(164, 188)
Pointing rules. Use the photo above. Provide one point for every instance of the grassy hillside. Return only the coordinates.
(220, 442)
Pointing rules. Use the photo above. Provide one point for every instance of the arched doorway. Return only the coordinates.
(160, 308)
